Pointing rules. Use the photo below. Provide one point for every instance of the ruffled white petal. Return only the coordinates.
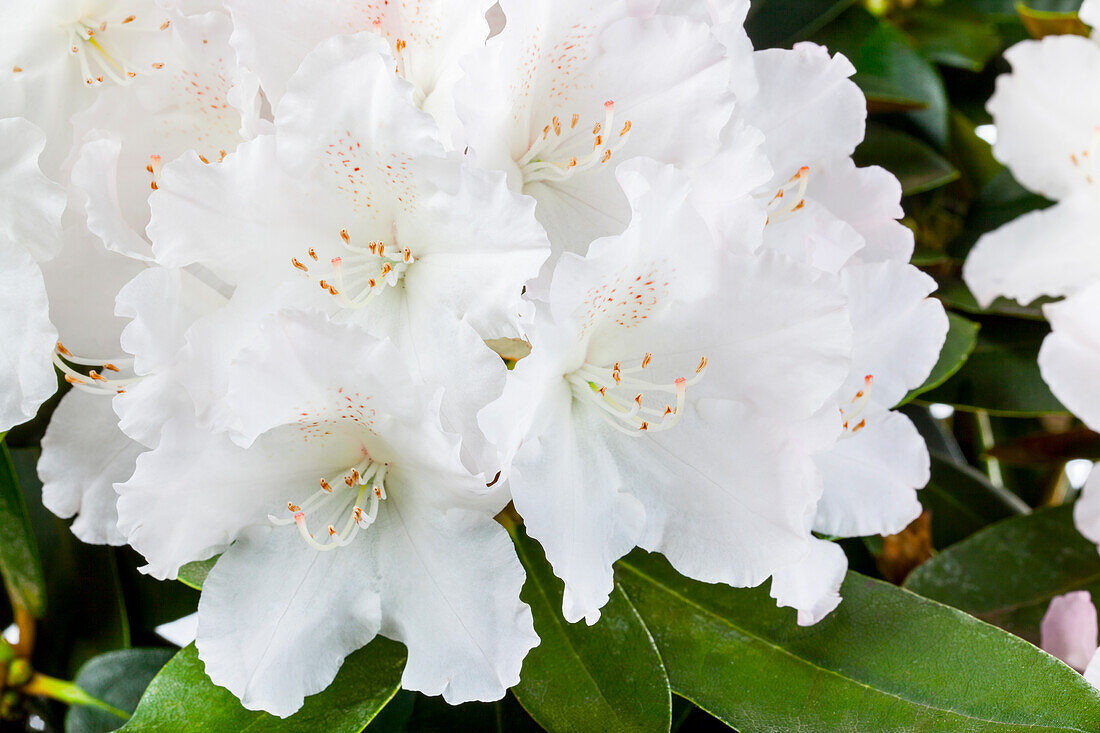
(1045, 252)
(450, 581)
(82, 282)
(30, 203)
(243, 219)
(807, 107)
(28, 338)
(1086, 512)
(1090, 12)
(277, 618)
(700, 485)
(176, 509)
(812, 586)
(871, 478)
(83, 455)
(1046, 112)
(1070, 355)
(898, 330)
(574, 500)
(868, 200)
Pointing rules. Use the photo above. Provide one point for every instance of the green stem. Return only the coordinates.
(985, 435)
(67, 692)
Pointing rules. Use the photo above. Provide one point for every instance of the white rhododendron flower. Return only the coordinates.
(1047, 113)
(30, 232)
(57, 54)
(428, 40)
(579, 86)
(353, 205)
(199, 102)
(669, 380)
(350, 515)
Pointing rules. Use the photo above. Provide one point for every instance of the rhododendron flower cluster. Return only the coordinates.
(279, 259)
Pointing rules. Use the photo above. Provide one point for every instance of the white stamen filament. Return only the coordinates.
(598, 386)
(94, 382)
(99, 57)
(790, 197)
(366, 272)
(334, 502)
(538, 163)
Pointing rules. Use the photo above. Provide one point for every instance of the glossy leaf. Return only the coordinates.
(1007, 573)
(885, 660)
(952, 35)
(20, 565)
(182, 698)
(917, 166)
(962, 337)
(772, 23)
(885, 59)
(117, 678)
(606, 677)
(1002, 374)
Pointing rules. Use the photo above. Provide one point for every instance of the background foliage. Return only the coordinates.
(932, 632)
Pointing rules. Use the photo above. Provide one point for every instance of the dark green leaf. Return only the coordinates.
(19, 562)
(1006, 574)
(606, 677)
(182, 698)
(886, 60)
(962, 501)
(118, 679)
(962, 336)
(772, 23)
(87, 613)
(951, 35)
(970, 153)
(1000, 201)
(1002, 374)
(917, 166)
(886, 660)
